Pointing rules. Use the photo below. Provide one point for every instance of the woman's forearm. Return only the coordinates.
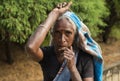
(39, 35)
(75, 76)
(37, 38)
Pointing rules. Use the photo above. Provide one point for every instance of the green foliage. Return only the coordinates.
(21, 17)
(92, 13)
(115, 31)
(117, 7)
(113, 20)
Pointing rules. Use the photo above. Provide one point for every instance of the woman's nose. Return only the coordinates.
(62, 38)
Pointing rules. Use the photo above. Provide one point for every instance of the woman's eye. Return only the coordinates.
(56, 32)
(68, 33)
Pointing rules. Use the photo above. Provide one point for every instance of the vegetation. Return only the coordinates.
(113, 21)
(19, 18)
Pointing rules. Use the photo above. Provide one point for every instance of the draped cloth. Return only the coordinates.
(88, 45)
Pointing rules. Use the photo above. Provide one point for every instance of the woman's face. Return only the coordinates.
(63, 34)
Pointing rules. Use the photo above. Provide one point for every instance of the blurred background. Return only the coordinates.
(19, 19)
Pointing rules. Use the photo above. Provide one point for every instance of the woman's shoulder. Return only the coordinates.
(47, 51)
(47, 48)
(84, 56)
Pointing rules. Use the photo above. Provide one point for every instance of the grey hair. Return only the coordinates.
(62, 17)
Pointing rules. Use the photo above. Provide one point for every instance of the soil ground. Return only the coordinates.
(25, 69)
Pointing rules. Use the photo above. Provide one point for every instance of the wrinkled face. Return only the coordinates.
(63, 34)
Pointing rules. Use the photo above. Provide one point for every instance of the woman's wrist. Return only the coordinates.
(51, 19)
(54, 13)
(73, 68)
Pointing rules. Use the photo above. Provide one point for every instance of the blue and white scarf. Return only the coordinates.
(88, 45)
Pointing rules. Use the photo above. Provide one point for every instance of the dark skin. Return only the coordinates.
(63, 36)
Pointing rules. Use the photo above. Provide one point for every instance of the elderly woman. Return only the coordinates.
(72, 55)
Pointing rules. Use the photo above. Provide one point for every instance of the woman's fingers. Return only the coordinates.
(71, 48)
(64, 5)
(59, 5)
(69, 54)
(69, 4)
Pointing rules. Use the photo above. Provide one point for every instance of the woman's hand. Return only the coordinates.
(69, 56)
(62, 7)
